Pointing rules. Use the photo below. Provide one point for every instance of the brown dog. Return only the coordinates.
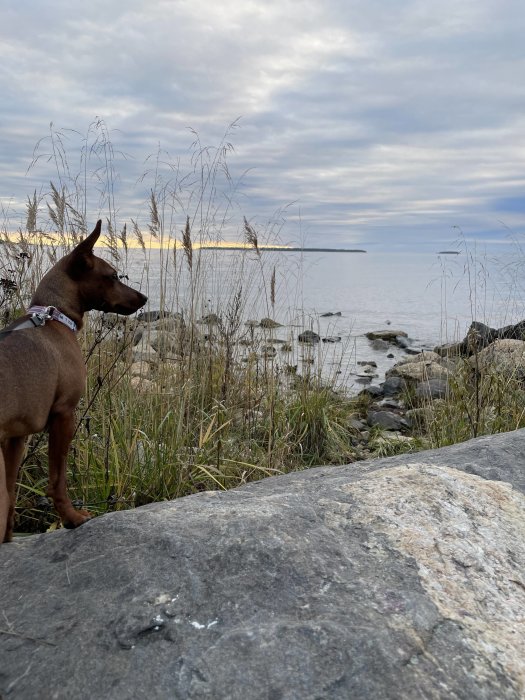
(42, 371)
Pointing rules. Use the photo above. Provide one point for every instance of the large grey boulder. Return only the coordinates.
(396, 578)
(503, 358)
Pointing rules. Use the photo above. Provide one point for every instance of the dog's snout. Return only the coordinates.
(143, 298)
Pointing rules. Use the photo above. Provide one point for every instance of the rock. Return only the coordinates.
(332, 339)
(393, 386)
(356, 424)
(389, 335)
(390, 355)
(450, 350)
(308, 337)
(394, 578)
(418, 371)
(150, 316)
(425, 356)
(506, 358)
(390, 403)
(387, 420)
(269, 323)
(402, 342)
(380, 345)
(432, 389)
(363, 378)
(143, 351)
(331, 313)
(170, 323)
(165, 343)
(367, 363)
(423, 416)
(373, 391)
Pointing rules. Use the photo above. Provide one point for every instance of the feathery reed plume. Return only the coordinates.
(250, 236)
(32, 209)
(112, 240)
(272, 287)
(154, 224)
(57, 211)
(187, 244)
(123, 237)
(138, 235)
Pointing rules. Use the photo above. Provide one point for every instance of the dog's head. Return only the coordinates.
(99, 284)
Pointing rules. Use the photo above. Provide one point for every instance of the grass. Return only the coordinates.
(217, 410)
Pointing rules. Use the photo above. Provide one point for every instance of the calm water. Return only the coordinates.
(432, 298)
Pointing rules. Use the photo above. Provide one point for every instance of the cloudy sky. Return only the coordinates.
(377, 123)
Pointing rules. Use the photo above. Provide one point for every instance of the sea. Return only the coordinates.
(431, 297)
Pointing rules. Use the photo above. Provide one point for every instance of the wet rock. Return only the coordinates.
(332, 339)
(308, 337)
(388, 335)
(331, 313)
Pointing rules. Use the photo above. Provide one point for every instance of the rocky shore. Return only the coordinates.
(394, 411)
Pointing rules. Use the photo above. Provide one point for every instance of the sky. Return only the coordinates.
(378, 124)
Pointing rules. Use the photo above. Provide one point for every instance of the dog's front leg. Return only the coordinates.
(61, 430)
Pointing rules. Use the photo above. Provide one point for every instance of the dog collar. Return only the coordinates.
(40, 314)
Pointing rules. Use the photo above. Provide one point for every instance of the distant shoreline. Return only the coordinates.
(283, 249)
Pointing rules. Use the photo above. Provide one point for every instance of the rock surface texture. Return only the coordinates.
(394, 578)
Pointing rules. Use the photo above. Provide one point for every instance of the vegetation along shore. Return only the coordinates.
(186, 398)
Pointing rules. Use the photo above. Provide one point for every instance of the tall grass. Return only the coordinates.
(221, 403)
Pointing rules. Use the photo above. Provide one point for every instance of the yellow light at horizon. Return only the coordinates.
(150, 243)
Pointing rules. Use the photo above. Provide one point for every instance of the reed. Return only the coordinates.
(213, 408)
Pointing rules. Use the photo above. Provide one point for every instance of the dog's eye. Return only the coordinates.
(115, 276)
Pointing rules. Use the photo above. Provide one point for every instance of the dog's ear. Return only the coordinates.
(81, 257)
(85, 247)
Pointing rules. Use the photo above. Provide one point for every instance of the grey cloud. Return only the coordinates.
(380, 120)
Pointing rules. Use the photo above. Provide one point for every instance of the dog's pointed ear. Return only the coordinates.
(85, 247)
(81, 257)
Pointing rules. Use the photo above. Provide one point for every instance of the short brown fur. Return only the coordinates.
(43, 375)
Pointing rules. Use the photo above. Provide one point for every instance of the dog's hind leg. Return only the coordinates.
(61, 430)
(4, 501)
(12, 453)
